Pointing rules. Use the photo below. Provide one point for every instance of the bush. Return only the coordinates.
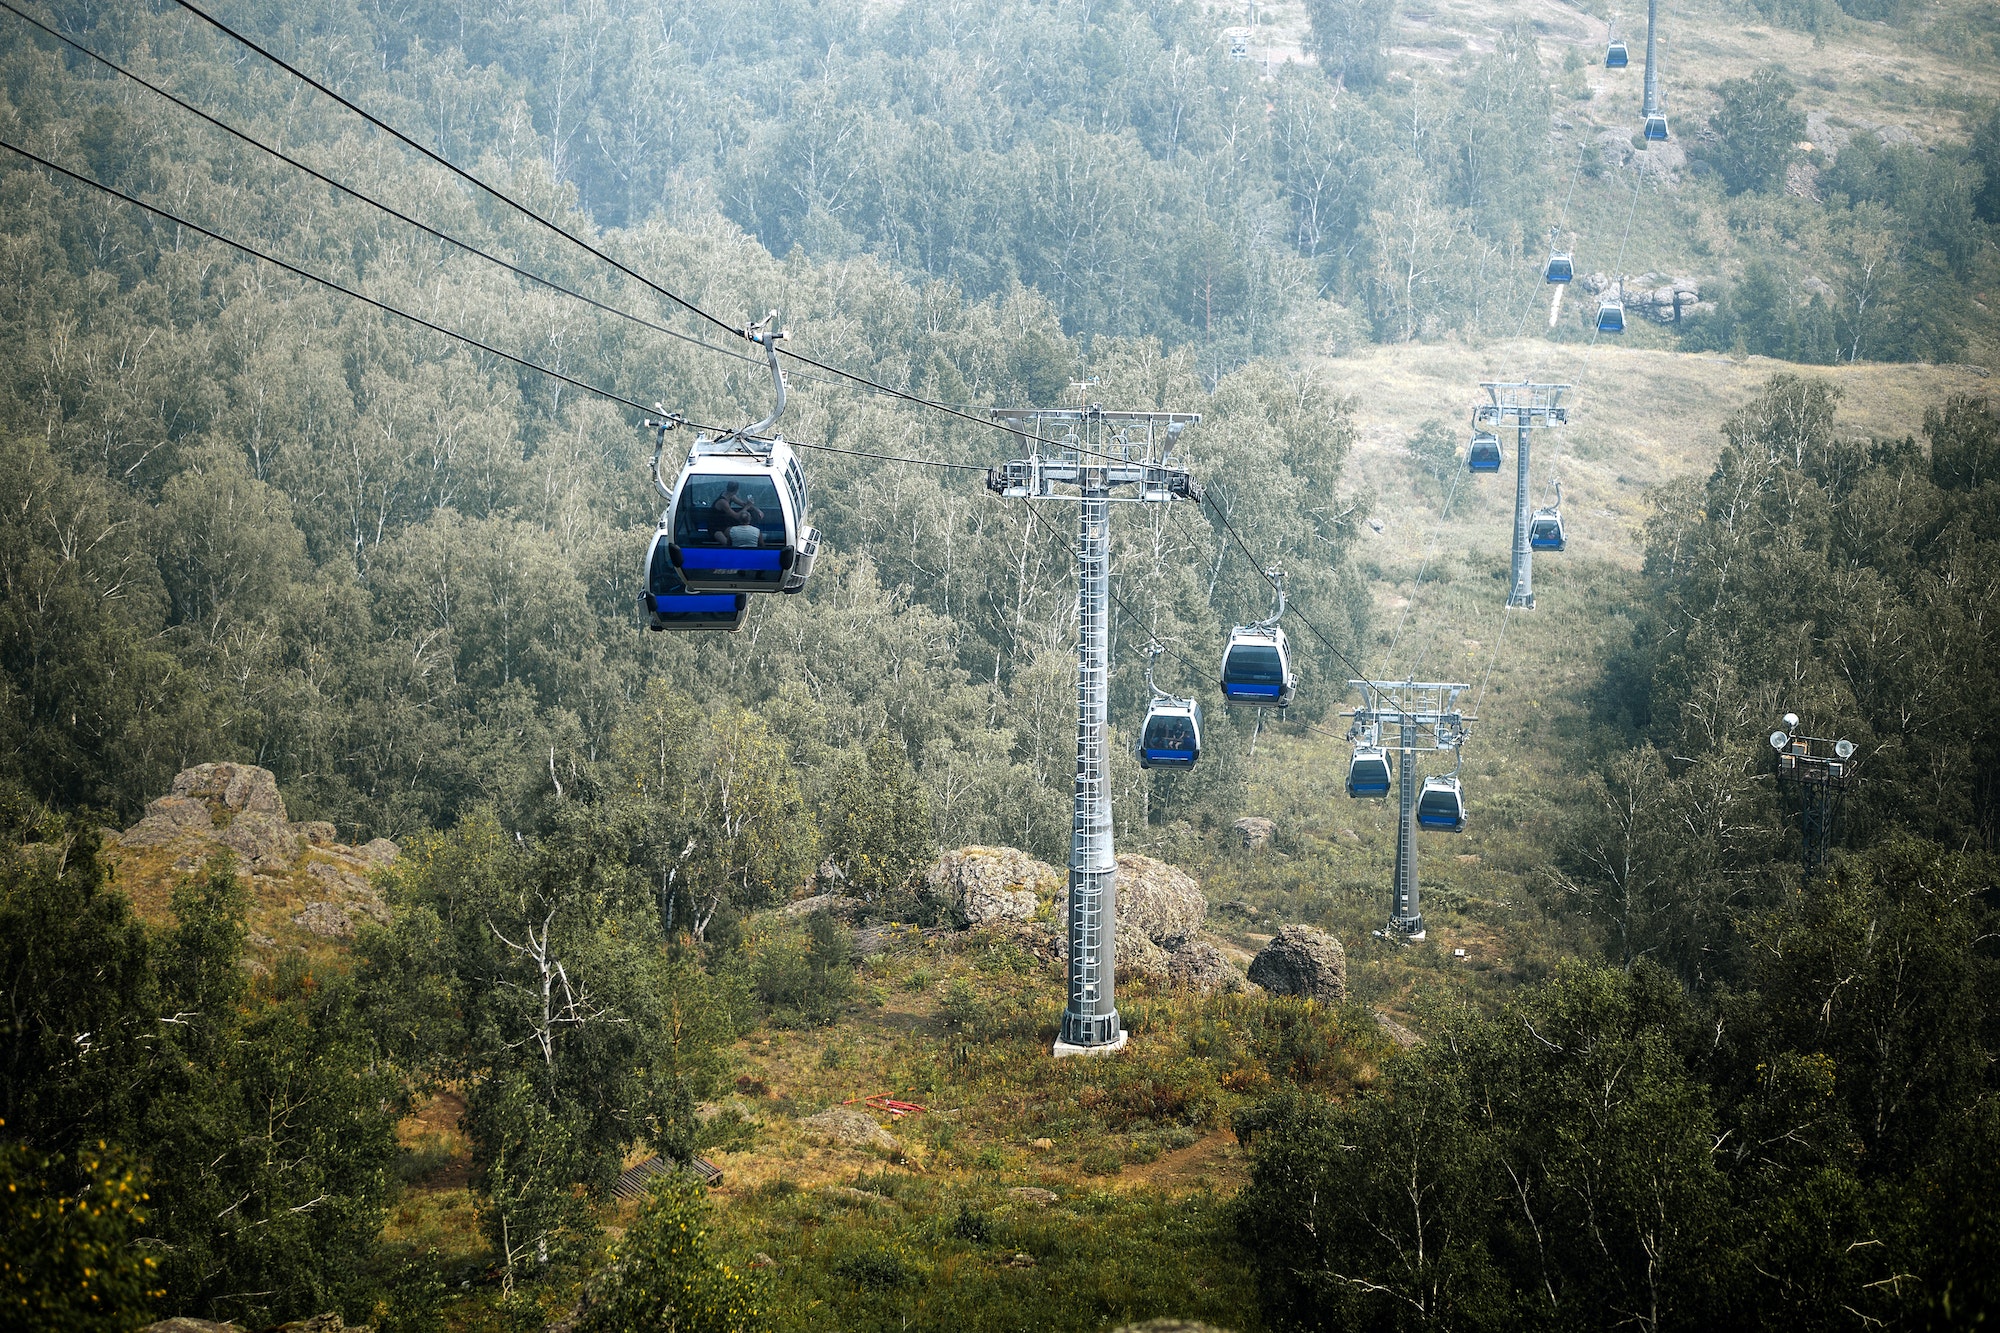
(665, 1278)
(806, 982)
(69, 1261)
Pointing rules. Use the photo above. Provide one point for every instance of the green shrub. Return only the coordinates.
(665, 1278)
(69, 1261)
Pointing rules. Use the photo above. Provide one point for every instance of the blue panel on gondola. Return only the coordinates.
(1243, 691)
(722, 603)
(1169, 758)
(725, 557)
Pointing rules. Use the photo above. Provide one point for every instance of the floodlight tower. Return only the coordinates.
(1096, 453)
(1412, 707)
(1526, 407)
(1821, 770)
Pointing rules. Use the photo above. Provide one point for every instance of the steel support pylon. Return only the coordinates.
(1652, 97)
(1522, 591)
(1091, 1017)
(1096, 453)
(1412, 707)
(1408, 917)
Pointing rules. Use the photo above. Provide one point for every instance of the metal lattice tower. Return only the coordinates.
(1093, 453)
(1820, 770)
(1526, 407)
(1412, 707)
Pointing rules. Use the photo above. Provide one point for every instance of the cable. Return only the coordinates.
(353, 193)
(576, 240)
(383, 306)
(454, 168)
(1303, 618)
(886, 458)
(421, 322)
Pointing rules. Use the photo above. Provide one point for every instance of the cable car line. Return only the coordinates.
(353, 193)
(273, 260)
(467, 339)
(454, 168)
(581, 243)
(1122, 604)
(1244, 546)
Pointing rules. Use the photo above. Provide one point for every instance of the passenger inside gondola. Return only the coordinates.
(1171, 733)
(729, 511)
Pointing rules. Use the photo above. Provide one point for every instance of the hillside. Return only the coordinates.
(386, 910)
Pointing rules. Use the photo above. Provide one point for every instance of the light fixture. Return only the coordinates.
(1791, 722)
(1845, 749)
(1779, 740)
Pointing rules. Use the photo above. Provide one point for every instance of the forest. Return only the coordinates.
(394, 931)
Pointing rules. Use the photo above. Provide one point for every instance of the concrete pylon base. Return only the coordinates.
(1111, 1047)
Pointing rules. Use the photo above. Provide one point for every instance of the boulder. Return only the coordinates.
(1167, 1324)
(1041, 1198)
(170, 818)
(244, 788)
(1201, 968)
(378, 853)
(327, 920)
(1160, 901)
(1255, 831)
(984, 884)
(846, 1127)
(181, 1323)
(1302, 961)
(317, 832)
(1140, 957)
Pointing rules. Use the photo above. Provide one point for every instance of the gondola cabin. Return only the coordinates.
(1441, 806)
(1485, 453)
(1611, 316)
(1257, 667)
(1368, 773)
(1171, 735)
(1656, 129)
(1545, 530)
(670, 606)
(1560, 268)
(739, 518)
(1615, 56)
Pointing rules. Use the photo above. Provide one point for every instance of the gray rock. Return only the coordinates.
(181, 1323)
(378, 853)
(170, 818)
(317, 832)
(839, 904)
(1140, 957)
(263, 840)
(1170, 1325)
(329, 921)
(1302, 961)
(986, 884)
(1160, 901)
(1255, 830)
(1201, 968)
(1041, 1198)
(244, 788)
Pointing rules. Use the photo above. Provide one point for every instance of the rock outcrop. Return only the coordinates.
(979, 885)
(1302, 961)
(1203, 969)
(301, 877)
